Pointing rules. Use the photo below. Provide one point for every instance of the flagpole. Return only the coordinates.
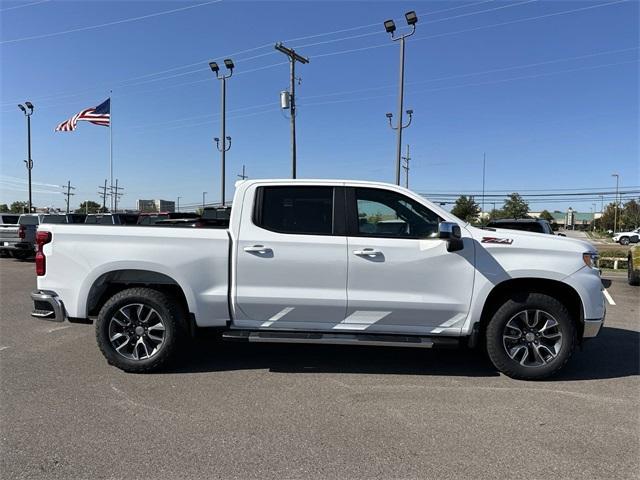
(111, 143)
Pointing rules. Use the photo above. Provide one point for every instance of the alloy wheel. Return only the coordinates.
(532, 338)
(137, 331)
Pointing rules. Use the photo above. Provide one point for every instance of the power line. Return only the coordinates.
(24, 5)
(108, 24)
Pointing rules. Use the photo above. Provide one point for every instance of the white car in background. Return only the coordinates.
(625, 238)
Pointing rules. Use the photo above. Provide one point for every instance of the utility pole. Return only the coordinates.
(68, 193)
(178, 209)
(104, 194)
(223, 149)
(390, 27)
(615, 214)
(593, 220)
(484, 167)
(116, 195)
(293, 58)
(203, 194)
(406, 168)
(243, 176)
(29, 160)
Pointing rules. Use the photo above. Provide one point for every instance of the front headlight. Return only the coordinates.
(590, 259)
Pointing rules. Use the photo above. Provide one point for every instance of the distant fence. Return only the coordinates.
(612, 262)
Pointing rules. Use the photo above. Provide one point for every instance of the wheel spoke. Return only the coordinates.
(532, 337)
(130, 334)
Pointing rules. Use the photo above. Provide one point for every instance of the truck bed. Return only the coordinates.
(197, 260)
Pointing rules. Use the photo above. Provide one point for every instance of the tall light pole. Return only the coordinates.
(224, 148)
(406, 167)
(615, 211)
(593, 221)
(203, 194)
(390, 27)
(179, 204)
(29, 160)
(291, 103)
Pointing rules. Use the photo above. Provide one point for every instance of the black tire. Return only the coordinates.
(497, 326)
(624, 241)
(171, 316)
(633, 275)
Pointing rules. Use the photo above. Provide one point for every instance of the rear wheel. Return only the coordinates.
(531, 337)
(633, 274)
(139, 329)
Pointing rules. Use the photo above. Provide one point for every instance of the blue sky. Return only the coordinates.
(553, 101)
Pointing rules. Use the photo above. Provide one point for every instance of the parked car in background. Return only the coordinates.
(152, 218)
(537, 225)
(27, 228)
(112, 218)
(625, 238)
(63, 218)
(633, 266)
(8, 233)
(305, 262)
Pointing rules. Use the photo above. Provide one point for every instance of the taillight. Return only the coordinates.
(22, 232)
(42, 238)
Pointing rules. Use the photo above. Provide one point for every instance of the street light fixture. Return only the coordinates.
(390, 27)
(29, 160)
(224, 148)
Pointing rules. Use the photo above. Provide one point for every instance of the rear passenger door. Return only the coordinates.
(291, 258)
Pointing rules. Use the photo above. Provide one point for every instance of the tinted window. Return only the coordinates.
(12, 219)
(54, 219)
(92, 219)
(382, 213)
(105, 220)
(296, 210)
(29, 220)
(128, 219)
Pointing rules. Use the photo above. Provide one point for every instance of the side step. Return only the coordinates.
(338, 339)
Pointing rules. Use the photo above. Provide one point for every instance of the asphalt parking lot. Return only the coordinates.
(233, 410)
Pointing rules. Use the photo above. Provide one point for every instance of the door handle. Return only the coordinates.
(257, 249)
(371, 252)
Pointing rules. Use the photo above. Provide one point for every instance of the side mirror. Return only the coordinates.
(451, 232)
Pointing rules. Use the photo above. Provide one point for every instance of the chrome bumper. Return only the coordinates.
(47, 306)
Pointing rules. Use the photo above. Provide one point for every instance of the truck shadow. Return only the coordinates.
(614, 354)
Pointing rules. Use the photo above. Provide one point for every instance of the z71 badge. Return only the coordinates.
(506, 241)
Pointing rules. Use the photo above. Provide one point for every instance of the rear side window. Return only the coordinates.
(295, 210)
(128, 219)
(106, 220)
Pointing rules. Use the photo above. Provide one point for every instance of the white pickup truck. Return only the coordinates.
(324, 261)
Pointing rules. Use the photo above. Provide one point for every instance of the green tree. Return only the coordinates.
(606, 221)
(19, 207)
(516, 207)
(4, 208)
(466, 209)
(89, 207)
(630, 215)
(546, 215)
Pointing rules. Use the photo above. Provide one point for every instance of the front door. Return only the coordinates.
(401, 278)
(291, 259)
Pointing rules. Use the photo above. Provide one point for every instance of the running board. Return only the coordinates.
(338, 339)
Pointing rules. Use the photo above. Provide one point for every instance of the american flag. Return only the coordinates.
(99, 115)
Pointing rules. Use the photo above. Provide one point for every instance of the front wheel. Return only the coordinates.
(138, 329)
(624, 241)
(531, 337)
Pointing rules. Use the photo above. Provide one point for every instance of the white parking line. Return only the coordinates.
(3, 348)
(607, 295)
(58, 328)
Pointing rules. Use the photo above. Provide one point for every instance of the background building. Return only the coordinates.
(156, 205)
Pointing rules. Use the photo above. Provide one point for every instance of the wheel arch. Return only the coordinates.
(561, 291)
(109, 283)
